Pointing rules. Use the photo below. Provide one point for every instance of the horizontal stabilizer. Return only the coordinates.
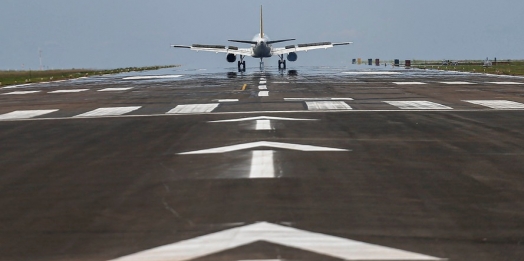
(240, 41)
(279, 41)
(314, 44)
(180, 46)
(208, 46)
(346, 43)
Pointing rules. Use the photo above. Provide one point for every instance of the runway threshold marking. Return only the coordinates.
(327, 105)
(193, 108)
(265, 118)
(262, 164)
(109, 111)
(26, 114)
(69, 91)
(331, 246)
(458, 83)
(20, 92)
(418, 105)
(257, 144)
(151, 77)
(115, 89)
(263, 93)
(509, 83)
(498, 104)
(318, 99)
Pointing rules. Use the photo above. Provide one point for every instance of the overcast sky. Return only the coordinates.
(122, 33)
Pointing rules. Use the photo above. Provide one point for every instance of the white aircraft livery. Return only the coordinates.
(261, 47)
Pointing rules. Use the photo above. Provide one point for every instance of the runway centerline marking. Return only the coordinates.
(262, 82)
(262, 87)
(270, 144)
(262, 164)
(331, 246)
(265, 118)
(26, 114)
(69, 91)
(327, 105)
(109, 111)
(193, 108)
(115, 89)
(418, 105)
(263, 93)
(263, 125)
(498, 104)
(409, 83)
(20, 92)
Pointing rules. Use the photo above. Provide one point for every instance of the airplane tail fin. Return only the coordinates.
(261, 24)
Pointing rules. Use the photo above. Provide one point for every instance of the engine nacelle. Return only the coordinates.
(231, 57)
(292, 56)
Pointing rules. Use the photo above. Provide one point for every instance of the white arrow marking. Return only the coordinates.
(332, 246)
(257, 144)
(265, 118)
(263, 125)
(262, 165)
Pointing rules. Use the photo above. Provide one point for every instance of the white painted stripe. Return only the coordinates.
(257, 144)
(409, 83)
(262, 164)
(20, 92)
(262, 79)
(263, 93)
(372, 73)
(498, 104)
(327, 105)
(16, 86)
(418, 105)
(151, 77)
(193, 108)
(227, 100)
(265, 118)
(506, 82)
(110, 111)
(69, 91)
(458, 83)
(262, 82)
(331, 246)
(115, 89)
(262, 87)
(280, 82)
(318, 99)
(24, 114)
(263, 125)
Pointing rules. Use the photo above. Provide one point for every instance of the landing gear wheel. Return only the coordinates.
(282, 65)
(242, 66)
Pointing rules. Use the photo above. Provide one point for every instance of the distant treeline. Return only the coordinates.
(21, 77)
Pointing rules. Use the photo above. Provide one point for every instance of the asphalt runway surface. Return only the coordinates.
(356, 163)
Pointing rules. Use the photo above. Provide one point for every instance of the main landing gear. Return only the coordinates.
(281, 62)
(242, 64)
(261, 64)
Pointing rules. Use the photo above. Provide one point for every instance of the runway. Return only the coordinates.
(316, 163)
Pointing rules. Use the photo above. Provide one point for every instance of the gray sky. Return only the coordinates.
(121, 33)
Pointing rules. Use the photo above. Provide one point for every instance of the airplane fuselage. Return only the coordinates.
(261, 49)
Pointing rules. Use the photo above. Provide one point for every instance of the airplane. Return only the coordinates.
(261, 47)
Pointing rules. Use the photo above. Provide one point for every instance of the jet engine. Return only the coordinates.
(292, 56)
(231, 57)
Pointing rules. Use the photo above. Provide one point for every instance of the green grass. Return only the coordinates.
(22, 77)
(502, 68)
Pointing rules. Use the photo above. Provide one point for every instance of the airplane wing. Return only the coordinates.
(216, 49)
(306, 47)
